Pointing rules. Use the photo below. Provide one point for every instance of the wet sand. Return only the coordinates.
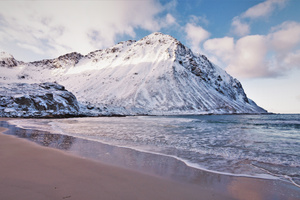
(31, 171)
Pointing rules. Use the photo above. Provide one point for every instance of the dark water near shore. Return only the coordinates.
(265, 146)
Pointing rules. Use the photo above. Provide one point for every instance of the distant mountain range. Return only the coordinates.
(156, 75)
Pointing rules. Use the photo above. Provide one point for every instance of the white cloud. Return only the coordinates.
(285, 37)
(198, 19)
(57, 27)
(284, 40)
(298, 97)
(239, 28)
(220, 47)
(263, 9)
(292, 59)
(254, 56)
(195, 35)
(170, 19)
(249, 58)
(240, 24)
(31, 48)
(244, 58)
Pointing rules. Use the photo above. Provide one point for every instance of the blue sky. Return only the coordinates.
(256, 41)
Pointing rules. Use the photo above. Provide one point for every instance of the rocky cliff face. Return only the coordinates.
(155, 75)
(70, 59)
(36, 100)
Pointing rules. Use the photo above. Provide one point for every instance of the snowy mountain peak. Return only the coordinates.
(158, 37)
(159, 41)
(7, 60)
(155, 75)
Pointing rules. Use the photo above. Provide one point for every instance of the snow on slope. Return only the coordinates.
(155, 75)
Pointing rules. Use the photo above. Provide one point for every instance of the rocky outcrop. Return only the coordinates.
(70, 59)
(7, 60)
(36, 100)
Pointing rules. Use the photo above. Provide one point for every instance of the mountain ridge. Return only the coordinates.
(156, 75)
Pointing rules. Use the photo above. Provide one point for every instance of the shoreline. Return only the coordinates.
(170, 171)
(36, 172)
(90, 142)
(130, 115)
(120, 156)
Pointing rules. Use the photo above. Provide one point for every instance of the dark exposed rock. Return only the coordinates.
(206, 71)
(70, 59)
(7, 60)
(36, 100)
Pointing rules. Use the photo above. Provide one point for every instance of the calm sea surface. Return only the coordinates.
(265, 146)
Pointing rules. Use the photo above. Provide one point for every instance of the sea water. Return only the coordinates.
(265, 146)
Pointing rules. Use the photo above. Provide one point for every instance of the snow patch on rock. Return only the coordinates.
(36, 100)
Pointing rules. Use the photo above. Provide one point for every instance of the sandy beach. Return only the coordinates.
(30, 171)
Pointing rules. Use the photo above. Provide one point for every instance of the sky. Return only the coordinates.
(255, 41)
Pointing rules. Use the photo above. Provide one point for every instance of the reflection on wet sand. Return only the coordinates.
(159, 165)
(57, 141)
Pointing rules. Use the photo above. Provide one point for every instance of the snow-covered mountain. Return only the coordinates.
(155, 75)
